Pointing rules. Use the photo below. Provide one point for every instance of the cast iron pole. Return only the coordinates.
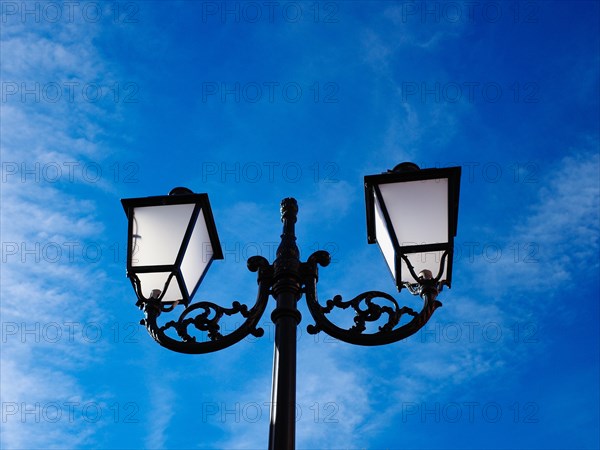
(287, 286)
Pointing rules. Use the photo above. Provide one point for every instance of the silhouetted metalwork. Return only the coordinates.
(378, 317)
(207, 322)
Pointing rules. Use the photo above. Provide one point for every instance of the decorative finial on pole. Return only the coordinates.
(289, 213)
(289, 209)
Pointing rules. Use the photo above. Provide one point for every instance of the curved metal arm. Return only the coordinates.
(387, 333)
(208, 319)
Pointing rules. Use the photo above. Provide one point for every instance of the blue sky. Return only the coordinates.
(252, 102)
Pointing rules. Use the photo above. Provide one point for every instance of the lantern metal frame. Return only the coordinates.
(177, 196)
(408, 172)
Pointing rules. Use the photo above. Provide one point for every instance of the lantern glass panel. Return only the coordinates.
(198, 255)
(418, 210)
(157, 280)
(383, 239)
(421, 261)
(158, 233)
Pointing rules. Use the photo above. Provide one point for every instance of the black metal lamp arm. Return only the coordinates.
(368, 311)
(208, 319)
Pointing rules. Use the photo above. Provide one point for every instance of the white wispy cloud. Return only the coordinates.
(558, 232)
(46, 293)
(162, 396)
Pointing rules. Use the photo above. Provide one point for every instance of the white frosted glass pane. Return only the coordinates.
(383, 239)
(198, 254)
(418, 210)
(158, 232)
(421, 261)
(152, 281)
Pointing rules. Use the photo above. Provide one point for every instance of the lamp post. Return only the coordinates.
(172, 240)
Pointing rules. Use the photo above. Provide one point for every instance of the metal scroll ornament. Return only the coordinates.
(207, 318)
(367, 310)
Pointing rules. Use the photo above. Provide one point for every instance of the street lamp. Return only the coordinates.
(172, 240)
(412, 214)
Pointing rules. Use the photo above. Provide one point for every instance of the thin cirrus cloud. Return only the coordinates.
(46, 297)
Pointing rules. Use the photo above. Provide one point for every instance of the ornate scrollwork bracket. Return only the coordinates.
(367, 310)
(207, 317)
